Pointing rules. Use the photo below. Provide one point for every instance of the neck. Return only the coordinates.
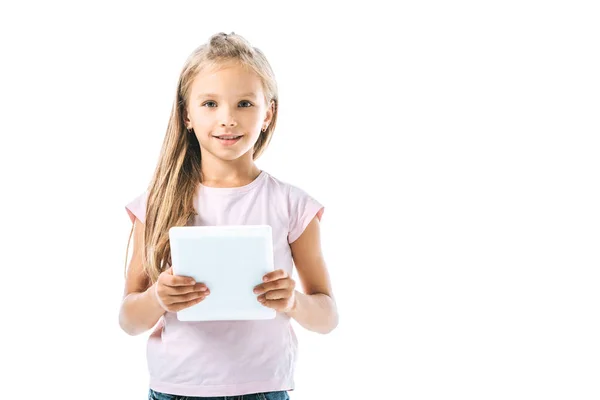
(234, 173)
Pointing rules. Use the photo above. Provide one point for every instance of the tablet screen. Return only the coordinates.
(231, 261)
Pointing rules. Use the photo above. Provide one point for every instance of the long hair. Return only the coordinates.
(173, 186)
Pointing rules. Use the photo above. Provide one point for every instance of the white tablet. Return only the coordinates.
(231, 261)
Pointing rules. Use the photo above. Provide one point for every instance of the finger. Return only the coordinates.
(276, 295)
(187, 304)
(178, 280)
(275, 285)
(276, 304)
(184, 298)
(277, 274)
(200, 287)
(180, 290)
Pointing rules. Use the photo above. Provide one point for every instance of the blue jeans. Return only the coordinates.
(282, 395)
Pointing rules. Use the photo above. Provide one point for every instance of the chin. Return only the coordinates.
(227, 155)
(231, 153)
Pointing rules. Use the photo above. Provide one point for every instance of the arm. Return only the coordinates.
(315, 309)
(140, 309)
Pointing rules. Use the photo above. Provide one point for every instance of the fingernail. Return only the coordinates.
(203, 289)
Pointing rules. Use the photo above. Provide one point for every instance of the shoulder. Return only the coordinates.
(136, 207)
(284, 187)
(301, 207)
(274, 183)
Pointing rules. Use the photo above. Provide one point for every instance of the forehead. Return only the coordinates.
(226, 80)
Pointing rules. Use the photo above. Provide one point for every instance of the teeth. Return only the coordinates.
(228, 137)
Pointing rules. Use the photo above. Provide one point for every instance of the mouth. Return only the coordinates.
(228, 139)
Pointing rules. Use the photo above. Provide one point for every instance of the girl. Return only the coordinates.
(222, 119)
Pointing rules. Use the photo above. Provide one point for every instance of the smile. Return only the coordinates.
(228, 140)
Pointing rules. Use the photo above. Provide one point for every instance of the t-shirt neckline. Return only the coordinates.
(233, 190)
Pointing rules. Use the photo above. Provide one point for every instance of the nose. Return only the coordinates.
(227, 119)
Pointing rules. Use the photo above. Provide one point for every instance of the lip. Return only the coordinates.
(226, 134)
(228, 142)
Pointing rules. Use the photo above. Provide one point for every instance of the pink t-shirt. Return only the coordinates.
(229, 358)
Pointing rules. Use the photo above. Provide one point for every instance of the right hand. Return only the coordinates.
(175, 293)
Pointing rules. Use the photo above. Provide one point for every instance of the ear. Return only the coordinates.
(270, 112)
(186, 120)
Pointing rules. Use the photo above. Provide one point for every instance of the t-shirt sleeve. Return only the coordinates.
(303, 208)
(137, 208)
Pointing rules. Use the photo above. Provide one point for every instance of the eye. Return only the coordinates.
(246, 102)
(209, 102)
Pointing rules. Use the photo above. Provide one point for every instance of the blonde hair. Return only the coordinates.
(173, 185)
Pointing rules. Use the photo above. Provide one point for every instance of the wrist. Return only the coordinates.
(156, 302)
(294, 306)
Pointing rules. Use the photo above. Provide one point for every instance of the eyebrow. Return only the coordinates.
(204, 95)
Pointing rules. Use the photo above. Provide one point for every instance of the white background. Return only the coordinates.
(454, 145)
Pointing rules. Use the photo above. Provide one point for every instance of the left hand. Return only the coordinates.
(277, 291)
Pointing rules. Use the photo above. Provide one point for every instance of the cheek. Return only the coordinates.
(202, 121)
(255, 123)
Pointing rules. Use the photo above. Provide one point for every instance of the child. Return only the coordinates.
(222, 119)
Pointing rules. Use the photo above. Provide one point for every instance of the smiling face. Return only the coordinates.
(227, 110)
